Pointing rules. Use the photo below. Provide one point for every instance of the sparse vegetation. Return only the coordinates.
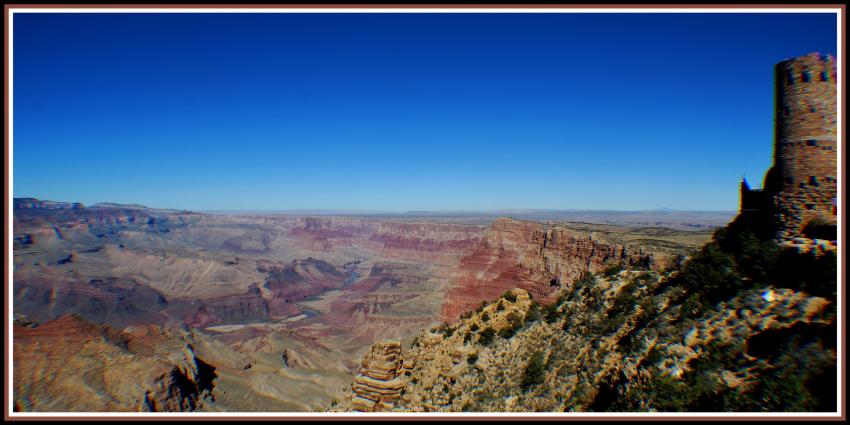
(535, 370)
(509, 295)
(500, 305)
(445, 328)
(613, 269)
(485, 337)
(533, 313)
(514, 323)
(551, 313)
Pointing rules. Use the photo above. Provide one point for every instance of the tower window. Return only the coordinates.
(810, 206)
(790, 78)
(823, 76)
(813, 181)
(811, 142)
(804, 77)
(812, 109)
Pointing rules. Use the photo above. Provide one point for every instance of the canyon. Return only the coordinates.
(282, 307)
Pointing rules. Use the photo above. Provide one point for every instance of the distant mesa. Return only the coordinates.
(114, 205)
(33, 203)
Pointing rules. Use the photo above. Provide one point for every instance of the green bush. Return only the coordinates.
(446, 329)
(508, 295)
(514, 323)
(535, 371)
(550, 312)
(613, 269)
(533, 313)
(485, 337)
(588, 280)
(472, 358)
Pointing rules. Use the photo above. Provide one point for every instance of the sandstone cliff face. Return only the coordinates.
(528, 255)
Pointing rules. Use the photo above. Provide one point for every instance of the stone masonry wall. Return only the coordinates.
(805, 156)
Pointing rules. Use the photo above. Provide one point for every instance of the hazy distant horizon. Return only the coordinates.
(659, 210)
(489, 211)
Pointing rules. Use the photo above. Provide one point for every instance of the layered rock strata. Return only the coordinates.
(378, 385)
(528, 255)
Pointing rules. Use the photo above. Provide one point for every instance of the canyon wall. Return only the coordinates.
(533, 257)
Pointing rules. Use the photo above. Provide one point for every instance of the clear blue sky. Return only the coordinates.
(400, 111)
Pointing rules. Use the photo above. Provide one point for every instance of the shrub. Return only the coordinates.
(588, 280)
(473, 327)
(445, 329)
(550, 312)
(534, 372)
(816, 275)
(485, 337)
(508, 295)
(533, 313)
(472, 358)
(514, 323)
(500, 306)
(819, 229)
(711, 274)
(613, 269)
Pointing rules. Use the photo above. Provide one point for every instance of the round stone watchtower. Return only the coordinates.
(803, 180)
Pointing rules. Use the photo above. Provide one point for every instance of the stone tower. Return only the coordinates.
(801, 187)
(805, 149)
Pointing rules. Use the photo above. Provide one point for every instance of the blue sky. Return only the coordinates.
(400, 111)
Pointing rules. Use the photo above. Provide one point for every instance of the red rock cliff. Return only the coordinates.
(528, 255)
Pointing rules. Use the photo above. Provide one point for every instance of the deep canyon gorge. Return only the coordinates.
(266, 312)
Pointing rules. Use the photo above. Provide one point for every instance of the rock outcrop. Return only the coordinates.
(378, 385)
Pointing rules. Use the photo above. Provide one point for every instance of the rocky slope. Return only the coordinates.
(576, 359)
(743, 325)
(70, 364)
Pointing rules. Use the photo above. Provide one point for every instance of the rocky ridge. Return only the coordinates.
(624, 342)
